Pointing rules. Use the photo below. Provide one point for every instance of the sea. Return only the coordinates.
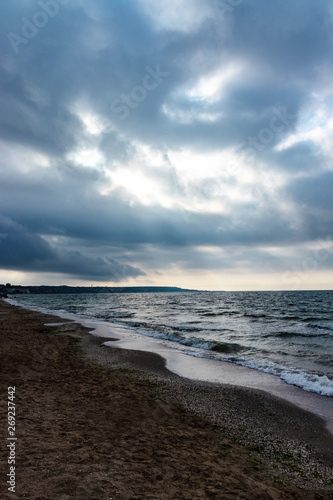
(288, 334)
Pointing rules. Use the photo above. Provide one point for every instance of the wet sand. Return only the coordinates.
(97, 422)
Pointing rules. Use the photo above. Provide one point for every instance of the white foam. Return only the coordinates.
(307, 381)
(320, 384)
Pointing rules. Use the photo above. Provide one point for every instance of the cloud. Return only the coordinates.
(23, 250)
(305, 156)
(230, 149)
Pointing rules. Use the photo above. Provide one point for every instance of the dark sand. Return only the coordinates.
(94, 422)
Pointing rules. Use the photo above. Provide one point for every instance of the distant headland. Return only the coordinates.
(9, 289)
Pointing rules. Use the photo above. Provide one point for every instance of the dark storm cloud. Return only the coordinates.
(314, 194)
(88, 56)
(20, 249)
(301, 157)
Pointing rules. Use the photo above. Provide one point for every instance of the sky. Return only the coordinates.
(173, 142)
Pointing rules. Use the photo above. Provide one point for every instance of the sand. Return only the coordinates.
(94, 422)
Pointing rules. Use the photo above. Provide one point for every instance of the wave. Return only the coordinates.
(226, 347)
(310, 382)
(183, 328)
(107, 317)
(320, 384)
(193, 329)
(289, 318)
(255, 315)
(219, 347)
(320, 326)
(208, 314)
(180, 328)
(310, 318)
(198, 343)
(298, 334)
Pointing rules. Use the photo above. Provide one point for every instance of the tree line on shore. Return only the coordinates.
(9, 289)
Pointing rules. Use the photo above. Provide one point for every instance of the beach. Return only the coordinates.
(96, 422)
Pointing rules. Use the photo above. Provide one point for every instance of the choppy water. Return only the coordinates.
(289, 334)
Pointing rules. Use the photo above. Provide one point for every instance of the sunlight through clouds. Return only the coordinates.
(179, 15)
(315, 125)
(86, 157)
(92, 123)
(210, 88)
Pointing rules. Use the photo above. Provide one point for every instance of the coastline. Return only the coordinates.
(204, 369)
(254, 428)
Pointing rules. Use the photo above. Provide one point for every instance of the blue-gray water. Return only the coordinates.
(289, 334)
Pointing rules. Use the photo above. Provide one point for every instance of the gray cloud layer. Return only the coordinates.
(57, 216)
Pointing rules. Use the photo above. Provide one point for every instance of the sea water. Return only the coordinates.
(288, 334)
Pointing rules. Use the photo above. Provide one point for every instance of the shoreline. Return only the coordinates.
(265, 427)
(204, 369)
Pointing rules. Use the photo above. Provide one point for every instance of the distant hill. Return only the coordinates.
(46, 289)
